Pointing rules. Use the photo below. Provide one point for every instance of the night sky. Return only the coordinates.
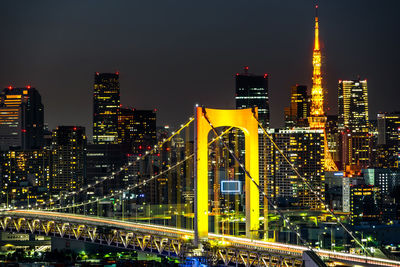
(173, 54)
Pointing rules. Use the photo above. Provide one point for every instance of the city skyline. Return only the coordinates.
(159, 75)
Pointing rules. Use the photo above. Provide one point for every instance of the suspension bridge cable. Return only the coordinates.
(290, 225)
(310, 187)
(120, 192)
(107, 177)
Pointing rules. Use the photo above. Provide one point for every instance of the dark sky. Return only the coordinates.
(172, 54)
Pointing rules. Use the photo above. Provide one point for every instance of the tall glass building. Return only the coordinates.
(106, 103)
(252, 90)
(353, 105)
(21, 118)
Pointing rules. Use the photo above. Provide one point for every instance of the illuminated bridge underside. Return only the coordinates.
(168, 241)
(141, 237)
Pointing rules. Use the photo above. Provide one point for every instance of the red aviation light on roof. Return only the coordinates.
(10, 87)
(74, 128)
(117, 72)
(29, 87)
(265, 75)
(97, 73)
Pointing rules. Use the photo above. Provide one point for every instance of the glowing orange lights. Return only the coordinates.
(317, 117)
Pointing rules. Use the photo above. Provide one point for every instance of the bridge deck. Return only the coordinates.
(229, 242)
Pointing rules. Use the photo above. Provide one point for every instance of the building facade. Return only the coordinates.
(21, 118)
(364, 204)
(304, 149)
(144, 131)
(353, 105)
(388, 139)
(252, 91)
(68, 158)
(299, 110)
(353, 122)
(106, 103)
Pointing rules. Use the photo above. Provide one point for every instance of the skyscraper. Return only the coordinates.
(389, 139)
(305, 150)
(21, 118)
(299, 110)
(252, 90)
(353, 105)
(106, 102)
(25, 175)
(126, 128)
(364, 204)
(68, 164)
(101, 160)
(353, 122)
(144, 130)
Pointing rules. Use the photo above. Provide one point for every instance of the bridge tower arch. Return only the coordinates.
(240, 118)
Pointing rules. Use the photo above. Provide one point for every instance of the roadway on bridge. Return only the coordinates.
(185, 234)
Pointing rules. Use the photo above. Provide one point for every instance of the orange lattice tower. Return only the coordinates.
(317, 117)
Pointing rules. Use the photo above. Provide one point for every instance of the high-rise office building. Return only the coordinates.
(299, 110)
(305, 150)
(386, 179)
(25, 175)
(353, 105)
(106, 103)
(68, 164)
(126, 128)
(144, 131)
(389, 139)
(21, 118)
(333, 137)
(251, 91)
(356, 150)
(353, 121)
(101, 160)
(364, 204)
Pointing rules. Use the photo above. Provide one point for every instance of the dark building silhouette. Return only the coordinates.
(364, 204)
(252, 90)
(106, 103)
(126, 129)
(21, 118)
(144, 131)
(101, 161)
(388, 155)
(299, 110)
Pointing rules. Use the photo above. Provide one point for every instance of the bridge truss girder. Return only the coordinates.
(247, 258)
(149, 243)
(124, 239)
